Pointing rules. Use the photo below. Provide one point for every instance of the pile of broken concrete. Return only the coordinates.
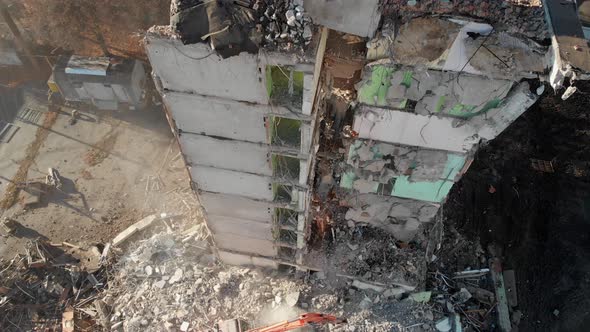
(233, 27)
(525, 17)
(283, 23)
(171, 281)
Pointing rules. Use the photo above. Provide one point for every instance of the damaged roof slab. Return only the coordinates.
(440, 132)
(459, 46)
(359, 18)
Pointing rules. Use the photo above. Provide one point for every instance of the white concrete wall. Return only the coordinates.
(413, 129)
(240, 227)
(197, 69)
(351, 16)
(245, 245)
(237, 207)
(246, 260)
(232, 182)
(439, 132)
(216, 117)
(226, 154)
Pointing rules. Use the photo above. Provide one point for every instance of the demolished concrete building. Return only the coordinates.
(257, 125)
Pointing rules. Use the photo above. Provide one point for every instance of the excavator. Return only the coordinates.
(307, 319)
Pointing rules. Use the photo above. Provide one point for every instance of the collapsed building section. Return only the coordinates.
(429, 96)
(291, 129)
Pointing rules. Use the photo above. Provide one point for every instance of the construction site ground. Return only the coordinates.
(105, 161)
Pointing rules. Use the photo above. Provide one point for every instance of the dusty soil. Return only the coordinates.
(88, 27)
(115, 169)
(540, 220)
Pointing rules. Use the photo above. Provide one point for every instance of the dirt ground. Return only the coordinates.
(115, 168)
(541, 221)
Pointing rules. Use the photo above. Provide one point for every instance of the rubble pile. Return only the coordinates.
(373, 255)
(171, 281)
(51, 288)
(283, 23)
(524, 17)
(242, 26)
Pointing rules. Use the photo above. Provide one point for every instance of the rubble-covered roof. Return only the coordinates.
(516, 16)
(459, 46)
(232, 27)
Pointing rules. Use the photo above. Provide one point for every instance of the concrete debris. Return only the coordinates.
(363, 285)
(129, 231)
(526, 20)
(569, 92)
(464, 299)
(68, 324)
(202, 294)
(184, 326)
(396, 293)
(444, 325)
(462, 296)
(422, 297)
(292, 298)
(283, 24)
(45, 281)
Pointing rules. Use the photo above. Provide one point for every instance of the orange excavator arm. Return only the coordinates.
(301, 321)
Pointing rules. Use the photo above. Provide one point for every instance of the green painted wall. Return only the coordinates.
(374, 91)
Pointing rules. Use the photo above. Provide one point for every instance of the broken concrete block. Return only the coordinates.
(396, 293)
(364, 187)
(352, 247)
(462, 296)
(422, 297)
(145, 222)
(363, 285)
(400, 211)
(184, 326)
(67, 322)
(176, 277)
(117, 326)
(320, 275)
(124, 235)
(444, 325)
(127, 233)
(292, 298)
(366, 303)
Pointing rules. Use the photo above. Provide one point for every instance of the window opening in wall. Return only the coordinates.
(285, 86)
(282, 193)
(284, 167)
(386, 188)
(287, 253)
(285, 132)
(286, 218)
(288, 237)
(409, 105)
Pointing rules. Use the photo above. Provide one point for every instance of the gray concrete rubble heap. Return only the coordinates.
(169, 281)
(524, 17)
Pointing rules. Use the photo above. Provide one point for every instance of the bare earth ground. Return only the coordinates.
(104, 161)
